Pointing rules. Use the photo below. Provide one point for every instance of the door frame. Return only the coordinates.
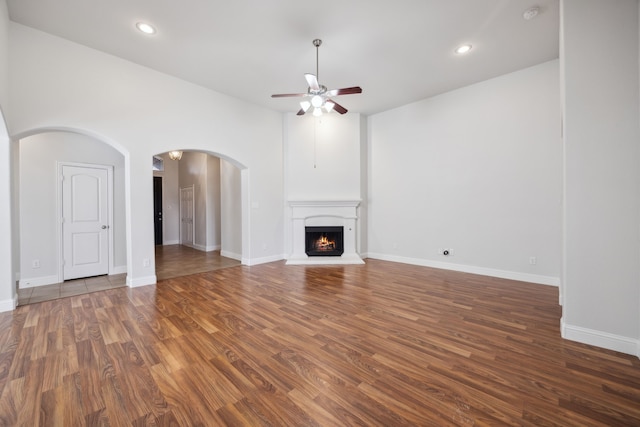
(60, 247)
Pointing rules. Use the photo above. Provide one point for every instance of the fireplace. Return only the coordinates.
(324, 241)
(324, 216)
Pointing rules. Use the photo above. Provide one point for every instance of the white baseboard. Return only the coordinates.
(38, 281)
(9, 304)
(206, 248)
(231, 255)
(141, 281)
(264, 260)
(170, 242)
(606, 340)
(503, 274)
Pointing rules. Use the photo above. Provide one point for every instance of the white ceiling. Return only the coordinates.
(398, 51)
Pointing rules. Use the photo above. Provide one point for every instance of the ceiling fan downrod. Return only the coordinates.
(317, 43)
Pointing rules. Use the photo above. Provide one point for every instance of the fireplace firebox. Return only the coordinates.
(324, 241)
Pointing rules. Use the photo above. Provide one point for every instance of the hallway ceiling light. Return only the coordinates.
(463, 49)
(145, 28)
(175, 155)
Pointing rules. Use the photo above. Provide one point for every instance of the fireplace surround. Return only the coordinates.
(326, 214)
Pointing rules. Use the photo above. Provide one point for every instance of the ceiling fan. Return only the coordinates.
(320, 96)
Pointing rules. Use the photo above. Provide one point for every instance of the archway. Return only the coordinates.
(43, 154)
(198, 212)
(8, 293)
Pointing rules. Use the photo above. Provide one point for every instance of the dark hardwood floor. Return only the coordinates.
(380, 344)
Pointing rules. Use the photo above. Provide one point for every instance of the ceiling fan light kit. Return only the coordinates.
(319, 94)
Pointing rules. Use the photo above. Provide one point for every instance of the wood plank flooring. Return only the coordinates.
(380, 344)
(178, 260)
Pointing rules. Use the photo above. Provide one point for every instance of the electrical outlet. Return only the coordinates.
(145, 262)
(533, 260)
(35, 263)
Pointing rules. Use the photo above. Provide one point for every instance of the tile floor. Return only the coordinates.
(70, 288)
(171, 261)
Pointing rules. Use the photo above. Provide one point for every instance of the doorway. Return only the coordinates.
(187, 208)
(157, 210)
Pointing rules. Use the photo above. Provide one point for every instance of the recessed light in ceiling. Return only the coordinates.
(463, 49)
(145, 28)
(531, 13)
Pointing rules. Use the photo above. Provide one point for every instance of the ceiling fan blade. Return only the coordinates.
(344, 91)
(300, 112)
(284, 95)
(337, 107)
(312, 81)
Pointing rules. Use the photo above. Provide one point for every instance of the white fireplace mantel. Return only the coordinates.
(324, 213)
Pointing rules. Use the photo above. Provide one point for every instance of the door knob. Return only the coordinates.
(104, 227)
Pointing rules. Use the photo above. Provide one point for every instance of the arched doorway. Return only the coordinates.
(42, 249)
(8, 222)
(198, 213)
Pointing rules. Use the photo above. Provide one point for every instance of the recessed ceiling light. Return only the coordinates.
(463, 49)
(145, 28)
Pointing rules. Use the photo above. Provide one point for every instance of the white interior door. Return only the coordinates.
(186, 216)
(85, 237)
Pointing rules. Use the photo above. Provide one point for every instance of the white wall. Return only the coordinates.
(230, 211)
(39, 231)
(476, 170)
(202, 171)
(8, 260)
(61, 85)
(213, 204)
(193, 173)
(323, 157)
(602, 182)
(4, 55)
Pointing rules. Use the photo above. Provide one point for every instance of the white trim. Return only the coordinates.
(330, 203)
(264, 260)
(600, 339)
(204, 248)
(141, 281)
(170, 242)
(38, 281)
(9, 304)
(503, 274)
(231, 255)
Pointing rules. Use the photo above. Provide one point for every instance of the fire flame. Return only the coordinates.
(324, 244)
